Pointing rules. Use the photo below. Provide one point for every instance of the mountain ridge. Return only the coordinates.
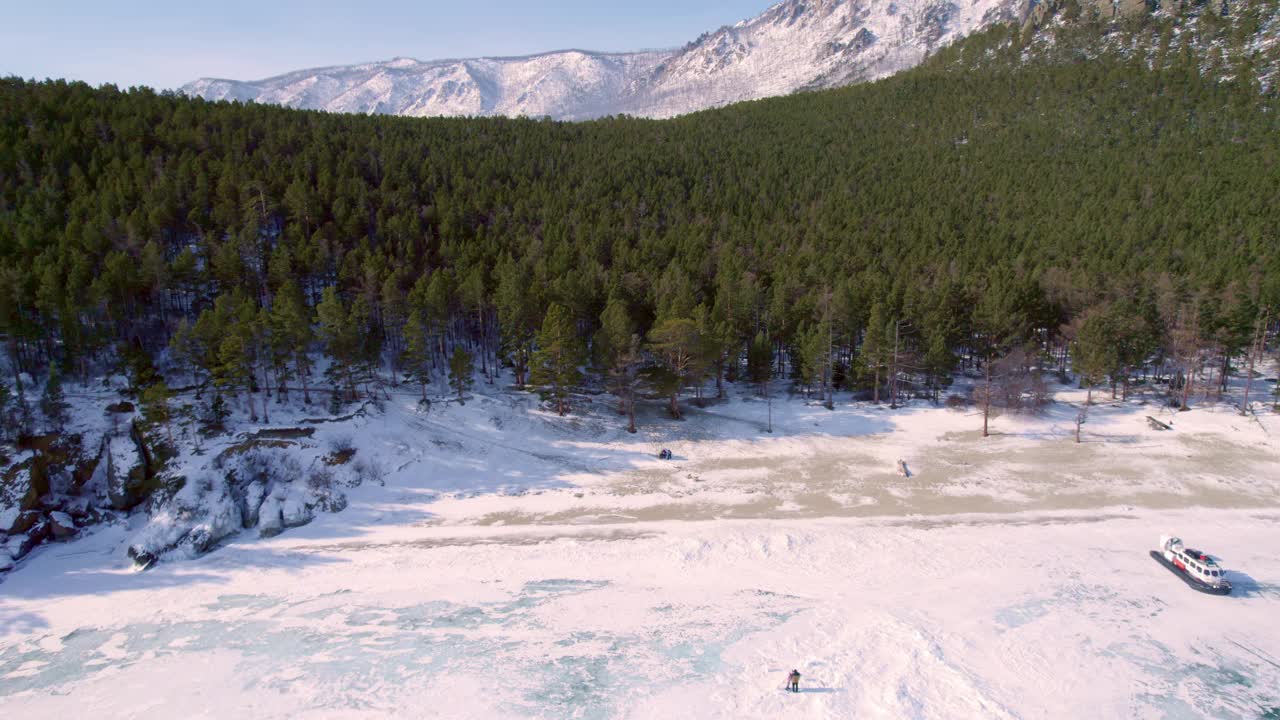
(793, 45)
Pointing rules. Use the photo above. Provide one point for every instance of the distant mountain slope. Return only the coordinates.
(794, 45)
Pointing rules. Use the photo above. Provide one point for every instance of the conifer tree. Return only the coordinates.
(461, 372)
(760, 360)
(679, 347)
(53, 403)
(416, 359)
(155, 408)
(517, 318)
(760, 368)
(292, 331)
(617, 346)
(813, 349)
(560, 353)
(437, 305)
(341, 340)
(8, 423)
(875, 347)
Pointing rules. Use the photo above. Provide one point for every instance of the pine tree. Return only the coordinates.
(617, 346)
(560, 353)
(419, 343)
(292, 333)
(394, 316)
(717, 343)
(813, 348)
(461, 372)
(875, 349)
(437, 305)
(1096, 354)
(416, 359)
(760, 368)
(760, 360)
(939, 361)
(216, 412)
(155, 408)
(517, 318)
(53, 404)
(680, 348)
(341, 341)
(238, 354)
(8, 423)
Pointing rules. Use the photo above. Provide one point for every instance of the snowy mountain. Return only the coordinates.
(794, 45)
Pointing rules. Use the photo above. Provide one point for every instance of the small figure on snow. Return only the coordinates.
(793, 681)
(665, 454)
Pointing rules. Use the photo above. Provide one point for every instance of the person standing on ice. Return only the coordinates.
(793, 681)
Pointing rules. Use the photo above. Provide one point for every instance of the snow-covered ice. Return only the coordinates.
(517, 565)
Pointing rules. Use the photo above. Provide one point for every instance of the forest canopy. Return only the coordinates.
(984, 201)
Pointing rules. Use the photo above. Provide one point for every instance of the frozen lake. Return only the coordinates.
(522, 567)
(1062, 615)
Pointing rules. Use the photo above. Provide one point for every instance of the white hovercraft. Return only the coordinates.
(1196, 569)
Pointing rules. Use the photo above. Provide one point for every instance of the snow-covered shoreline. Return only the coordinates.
(505, 562)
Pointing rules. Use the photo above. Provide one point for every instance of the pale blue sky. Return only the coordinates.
(164, 44)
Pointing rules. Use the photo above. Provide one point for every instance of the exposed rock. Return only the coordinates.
(19, 545)
(270, 523)
(41, 531)
(295, 512)
(24, 484)
(83, 472)
(195, 520)
(61, 525)
(120, 473)
(141, 558)
(78, 508)
(253, 496)
(6, 560)
(264, 488)
(16, 522)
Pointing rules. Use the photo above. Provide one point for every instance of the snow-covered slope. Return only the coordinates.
(794, 45)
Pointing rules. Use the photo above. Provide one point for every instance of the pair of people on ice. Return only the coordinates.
(793, 681)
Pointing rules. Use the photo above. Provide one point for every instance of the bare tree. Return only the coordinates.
(1011, 383)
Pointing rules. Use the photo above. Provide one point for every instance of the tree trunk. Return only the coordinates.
(986, 401)
(306, 391)
(631, 410)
